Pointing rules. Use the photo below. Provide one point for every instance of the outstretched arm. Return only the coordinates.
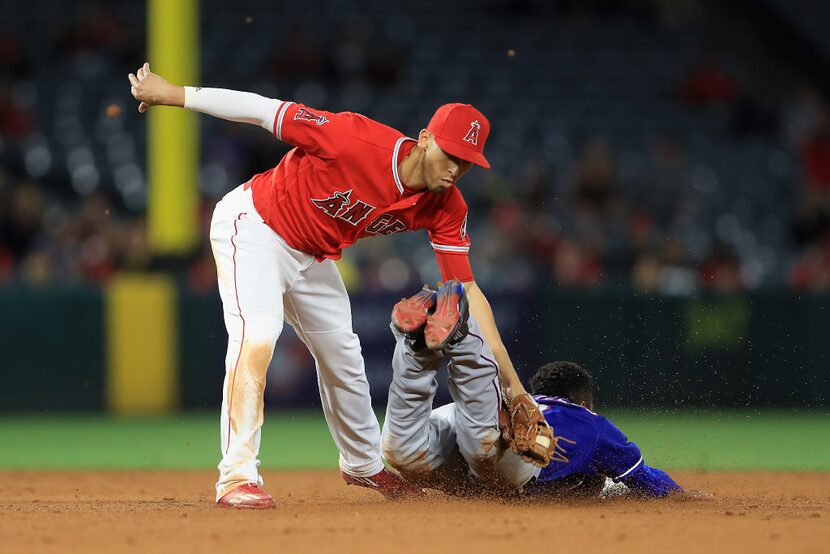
(151, 89)
(481, 311)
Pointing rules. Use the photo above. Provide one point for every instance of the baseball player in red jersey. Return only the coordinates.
(275, 237)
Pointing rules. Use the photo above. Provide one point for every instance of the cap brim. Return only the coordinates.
(460, 151)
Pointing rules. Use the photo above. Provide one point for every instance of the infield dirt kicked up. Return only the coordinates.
(173, 511)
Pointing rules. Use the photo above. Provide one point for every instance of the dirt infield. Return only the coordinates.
(174, 512)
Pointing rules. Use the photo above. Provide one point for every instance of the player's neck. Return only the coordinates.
(411, 169)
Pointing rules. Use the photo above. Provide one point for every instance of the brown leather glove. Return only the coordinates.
(529, 435)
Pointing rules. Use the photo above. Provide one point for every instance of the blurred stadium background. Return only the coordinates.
(658, 210)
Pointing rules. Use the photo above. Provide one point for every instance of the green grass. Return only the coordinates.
(182, 441)
(731, 440)
(736, 440)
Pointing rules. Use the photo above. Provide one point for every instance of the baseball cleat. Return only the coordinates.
(389, 484)
(449, 322)
(410, 314)
(249, 496)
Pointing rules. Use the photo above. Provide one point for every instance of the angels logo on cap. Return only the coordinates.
(461, 131)
(472, 134)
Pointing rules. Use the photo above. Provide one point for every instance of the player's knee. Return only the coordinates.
(339, 358)
(263, 327)
(257, 348)
(401, 455)
(481, 446)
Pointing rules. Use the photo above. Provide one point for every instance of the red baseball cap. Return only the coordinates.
(461, 130)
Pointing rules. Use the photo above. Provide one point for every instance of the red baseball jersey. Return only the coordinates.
(341, 184)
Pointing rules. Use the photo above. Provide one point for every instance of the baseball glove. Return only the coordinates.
(524, 428)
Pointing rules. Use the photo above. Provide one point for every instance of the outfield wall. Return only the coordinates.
(71, 348)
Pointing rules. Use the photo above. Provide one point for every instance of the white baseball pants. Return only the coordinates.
(263, 281)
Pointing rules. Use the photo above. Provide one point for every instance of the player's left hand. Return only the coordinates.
(151, 89)
(529, 435)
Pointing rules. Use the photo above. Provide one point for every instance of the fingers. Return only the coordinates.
(143, 71)
(133, 84)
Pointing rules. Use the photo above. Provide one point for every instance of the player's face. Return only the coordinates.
(441, 170)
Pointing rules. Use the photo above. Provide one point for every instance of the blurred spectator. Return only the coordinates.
(594, 192)
(92, 233)
(201, 275)
(351, 50)
(37, 269)
(666, 191)
(677, 276)
(803, 108)
(96, 29)
(707, 83)
(646, 273)
(13, 64)
(133, 248)
(16, 122)
(815, 158)
(576, 265)
(6, 258)
(666, 273)
(811, 271)
(21, 226)
(301, 58)
(720, 270)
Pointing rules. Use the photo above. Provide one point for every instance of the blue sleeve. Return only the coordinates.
(650, 481)
(621, 459)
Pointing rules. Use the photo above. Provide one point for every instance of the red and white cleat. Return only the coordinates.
(389, 484)
(249, 496)
(410, 314)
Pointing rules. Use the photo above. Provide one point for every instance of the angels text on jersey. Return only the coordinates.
(340, 206)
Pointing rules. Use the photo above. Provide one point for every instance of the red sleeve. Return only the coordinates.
(454, 266)
(450, 242)
(317, 132)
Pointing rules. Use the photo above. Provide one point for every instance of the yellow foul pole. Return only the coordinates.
(173, 133)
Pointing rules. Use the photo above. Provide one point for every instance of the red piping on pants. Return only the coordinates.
(239, 355)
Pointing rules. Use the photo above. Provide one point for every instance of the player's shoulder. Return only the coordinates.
(562, 402)
(571, 420)
(558, 410)
(371, 132)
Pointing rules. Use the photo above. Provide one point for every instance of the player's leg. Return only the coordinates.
(411, 442)
(253, 268)
(474, 386)
(318, 307)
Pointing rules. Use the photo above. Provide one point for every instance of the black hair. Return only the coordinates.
(566, 379)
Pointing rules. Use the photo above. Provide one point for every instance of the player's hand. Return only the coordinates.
(151, 89)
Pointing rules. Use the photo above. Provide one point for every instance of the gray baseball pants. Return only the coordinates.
(458, 441)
